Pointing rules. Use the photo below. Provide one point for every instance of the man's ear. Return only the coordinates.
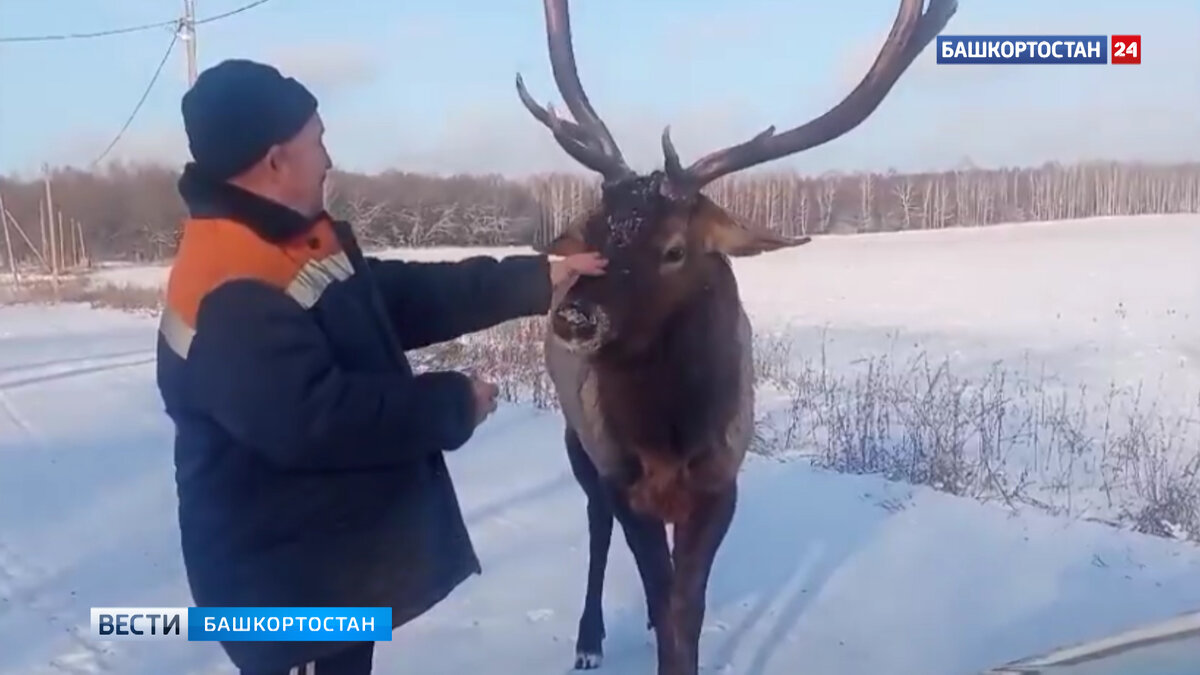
(721, 232)
(275, 157)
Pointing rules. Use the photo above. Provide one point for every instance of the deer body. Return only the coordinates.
(661, 441)
(652, 361)
(684, 421)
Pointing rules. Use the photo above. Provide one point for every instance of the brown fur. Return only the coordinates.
(669, 381)
(652, 360)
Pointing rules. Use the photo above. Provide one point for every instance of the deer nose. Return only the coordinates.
(575, 321)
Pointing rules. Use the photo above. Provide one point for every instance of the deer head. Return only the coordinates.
(662, 236)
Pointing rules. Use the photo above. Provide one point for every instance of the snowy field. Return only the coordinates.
(823, 572)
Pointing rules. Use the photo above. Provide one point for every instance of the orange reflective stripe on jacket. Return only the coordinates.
(213, 251)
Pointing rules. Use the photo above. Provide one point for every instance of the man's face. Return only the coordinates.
(300, 167)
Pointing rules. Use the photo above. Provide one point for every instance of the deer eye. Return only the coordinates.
(673, 255)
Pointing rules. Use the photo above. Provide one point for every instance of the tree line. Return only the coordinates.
(133, 212)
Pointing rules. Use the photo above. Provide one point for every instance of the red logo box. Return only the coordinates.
(1126, 49)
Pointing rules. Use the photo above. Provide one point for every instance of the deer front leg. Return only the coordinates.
(647, 540)
(589, 643)
(697, 539)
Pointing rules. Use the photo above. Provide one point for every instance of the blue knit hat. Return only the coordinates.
(237, 110)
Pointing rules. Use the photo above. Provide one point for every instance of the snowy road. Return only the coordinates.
(837, 574)
(821, 573)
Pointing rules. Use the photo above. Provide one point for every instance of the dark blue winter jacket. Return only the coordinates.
(309, 457)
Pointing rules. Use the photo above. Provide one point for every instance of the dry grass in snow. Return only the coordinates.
(1048, 366)
(1051, 366)
(98, 294)
(1012, 436)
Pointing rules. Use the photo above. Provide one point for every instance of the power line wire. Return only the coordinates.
(128, 29)
(142, 100)
(232, 12)
(76, 36)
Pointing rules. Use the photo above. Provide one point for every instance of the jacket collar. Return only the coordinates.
(206, 197)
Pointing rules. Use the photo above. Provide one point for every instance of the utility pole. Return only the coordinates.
(187, 33)
(50, 221)
(12, 258)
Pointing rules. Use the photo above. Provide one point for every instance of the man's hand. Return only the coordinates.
(567, 269)
(485, 398)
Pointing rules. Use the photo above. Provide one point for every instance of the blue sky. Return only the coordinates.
(428, 84)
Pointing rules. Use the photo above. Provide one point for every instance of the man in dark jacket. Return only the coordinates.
(309, 456)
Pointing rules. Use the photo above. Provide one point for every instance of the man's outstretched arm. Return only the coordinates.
(431, 302)
(261, 367)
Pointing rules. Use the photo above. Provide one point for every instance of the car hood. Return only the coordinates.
(1170, 647)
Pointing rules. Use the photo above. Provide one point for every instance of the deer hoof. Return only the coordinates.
(585, 660)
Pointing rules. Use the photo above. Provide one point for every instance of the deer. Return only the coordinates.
(651, 362)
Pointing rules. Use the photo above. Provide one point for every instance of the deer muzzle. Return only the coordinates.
(581, 326)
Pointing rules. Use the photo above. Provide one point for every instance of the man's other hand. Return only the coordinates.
(485, 398)
(567, 269)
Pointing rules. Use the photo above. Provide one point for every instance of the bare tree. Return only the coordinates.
(133, 212)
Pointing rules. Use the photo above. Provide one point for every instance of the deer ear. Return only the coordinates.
(722, 233)
(569, 242)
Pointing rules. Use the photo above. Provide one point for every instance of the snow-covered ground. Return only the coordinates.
(1113, 294)
(822, 572)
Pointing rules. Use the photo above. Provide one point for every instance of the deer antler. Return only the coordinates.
(587, 139)
(911, 32)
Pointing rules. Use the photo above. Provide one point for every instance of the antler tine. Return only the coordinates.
(574, 139)
(566, 74)
(911, 32)
(586, 139)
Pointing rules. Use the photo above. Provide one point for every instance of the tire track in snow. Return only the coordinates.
(72, 651)
(9, 573)
(85, 656)
(52, 363)
(104, 365)
(18, 581)
(15, 576)
(81, 655)
(18, 420)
